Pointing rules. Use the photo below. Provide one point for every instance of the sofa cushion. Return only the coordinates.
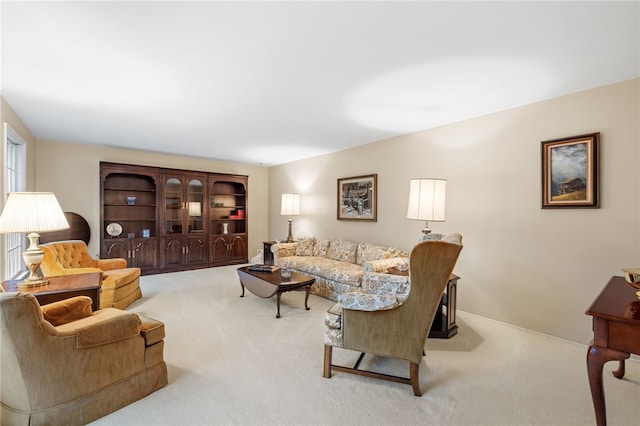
(305, 246)
(343, 251)
(117, 278)
(321, 247)
(103, 327)
(334, 270)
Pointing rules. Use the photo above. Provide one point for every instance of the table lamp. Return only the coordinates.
(290, 206)
(195, 210)
(427, 202)
(32, 212)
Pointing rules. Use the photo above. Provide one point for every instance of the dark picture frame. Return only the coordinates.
(358, 198)
(570, 172)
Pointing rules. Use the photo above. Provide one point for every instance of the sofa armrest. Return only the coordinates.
(376, 283)
(383, 265)
(105, 326)
(359, 301)
(67, 310)
(283, 250)
(110, 264)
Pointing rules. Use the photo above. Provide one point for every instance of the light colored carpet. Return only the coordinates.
(231, 362)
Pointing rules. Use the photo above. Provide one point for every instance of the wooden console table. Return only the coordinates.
(616, 335)
(64, 287)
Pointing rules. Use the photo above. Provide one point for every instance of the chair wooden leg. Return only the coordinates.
(328, 351)
(415, 378)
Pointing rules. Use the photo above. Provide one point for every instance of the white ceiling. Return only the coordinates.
(272, 82)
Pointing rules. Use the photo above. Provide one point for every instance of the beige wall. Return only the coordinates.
(8, 115)
(72, 172)
(538, 269)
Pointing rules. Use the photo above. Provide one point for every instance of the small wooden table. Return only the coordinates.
(267, 254)
(268, 284)
(616, 335)
(63, 287)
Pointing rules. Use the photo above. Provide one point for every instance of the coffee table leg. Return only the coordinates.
(278, 302)
(306, 296)
(242, 285)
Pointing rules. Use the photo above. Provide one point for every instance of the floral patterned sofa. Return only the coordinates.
(340, 267)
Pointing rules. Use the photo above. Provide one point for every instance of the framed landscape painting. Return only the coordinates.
(570, 171)
(357, 198)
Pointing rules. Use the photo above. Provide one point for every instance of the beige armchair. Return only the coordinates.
(63, 364)
(394, 324)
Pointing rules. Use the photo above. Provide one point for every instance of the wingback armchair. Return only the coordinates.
(120, 285)
(64, 364)
(393, 323)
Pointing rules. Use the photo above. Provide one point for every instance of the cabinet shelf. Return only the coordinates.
(129, 205)
(129, 189)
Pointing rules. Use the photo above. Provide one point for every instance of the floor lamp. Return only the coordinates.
(32, 212)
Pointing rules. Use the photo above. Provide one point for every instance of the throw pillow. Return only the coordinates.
(321, 247)
(305, 246)
(68, 310)
(343, 251)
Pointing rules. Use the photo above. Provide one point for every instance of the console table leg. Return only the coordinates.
(619, 373)
(596, 358)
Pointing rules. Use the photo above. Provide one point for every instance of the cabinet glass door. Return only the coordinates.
(173, 206)
(195, 206)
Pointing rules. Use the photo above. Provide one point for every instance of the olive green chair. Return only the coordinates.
(394, 324)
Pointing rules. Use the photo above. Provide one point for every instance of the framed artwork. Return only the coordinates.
(570, 171)
(357, 198)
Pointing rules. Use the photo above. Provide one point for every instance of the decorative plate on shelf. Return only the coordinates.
(114, 229)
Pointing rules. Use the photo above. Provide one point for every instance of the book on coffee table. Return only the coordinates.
(264, 268)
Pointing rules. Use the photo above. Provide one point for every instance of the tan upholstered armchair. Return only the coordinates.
(63, 364)
(395, 324)
(120, 285)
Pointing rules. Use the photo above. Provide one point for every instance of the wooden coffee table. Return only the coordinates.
(268, 284)
(63, 287)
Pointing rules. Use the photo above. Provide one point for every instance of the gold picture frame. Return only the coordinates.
(570, 172)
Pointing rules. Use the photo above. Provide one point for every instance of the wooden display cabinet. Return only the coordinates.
(184, 242)
(128, 197)
(228, 219)
(165, 220)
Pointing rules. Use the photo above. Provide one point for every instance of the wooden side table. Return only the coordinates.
(444, 323)
(63, 287)
(266, 252)
(616, 335)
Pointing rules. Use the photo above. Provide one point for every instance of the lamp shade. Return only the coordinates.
(427, 199)
(290, 204)
(195, 209)
(32, 212)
